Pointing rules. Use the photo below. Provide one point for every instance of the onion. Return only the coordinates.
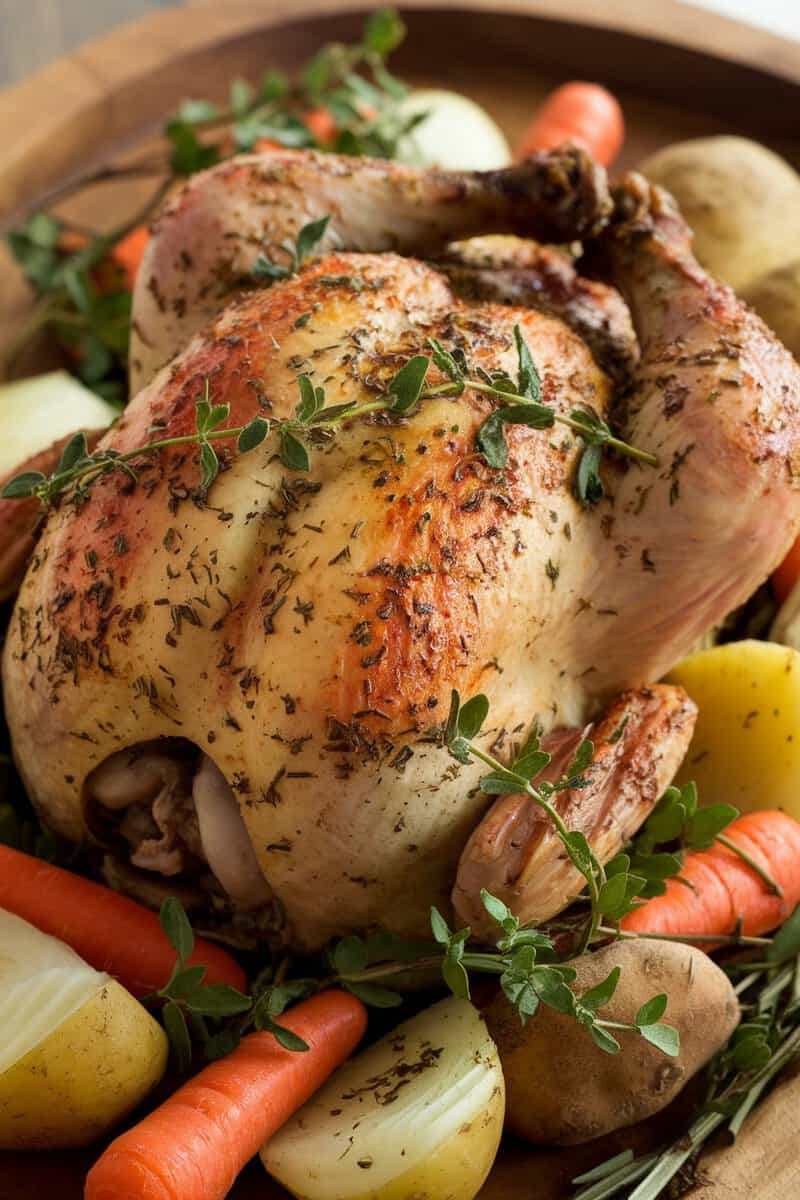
(420, 1113)
(36, 412)
(457, 133)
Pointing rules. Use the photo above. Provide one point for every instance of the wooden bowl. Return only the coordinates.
(679, 72)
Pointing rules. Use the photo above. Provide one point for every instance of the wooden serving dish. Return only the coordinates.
(679, 72)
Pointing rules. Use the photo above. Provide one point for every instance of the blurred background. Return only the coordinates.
(33, 32)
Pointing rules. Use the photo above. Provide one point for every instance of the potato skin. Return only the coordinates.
(561, 1089)
(741, 200)
(83, 1077)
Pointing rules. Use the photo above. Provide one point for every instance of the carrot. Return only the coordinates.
(109, 931)
(321, 125)
(577, 112)
(195, 1144)
(787, 574)
(264, 144)
(720, 888)
(129, 251)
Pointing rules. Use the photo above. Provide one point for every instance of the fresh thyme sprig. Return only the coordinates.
(525, 961)
(313, 422)
(526, 408)
(610, 894)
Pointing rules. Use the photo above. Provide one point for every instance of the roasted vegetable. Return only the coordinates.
(78, 1052)
(746, 747)
(419, 1114)
(563, 1089)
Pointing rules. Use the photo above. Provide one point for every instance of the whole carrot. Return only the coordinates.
(577, 112)
(109, 931)
(195, 1144)
(717, 888)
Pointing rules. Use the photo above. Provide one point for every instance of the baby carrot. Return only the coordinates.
(786, 575)
(195, 1144)
(577, 112)
(717, 888)
(109, 931)
(129, 252)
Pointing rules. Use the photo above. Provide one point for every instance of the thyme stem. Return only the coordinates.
(771, 883)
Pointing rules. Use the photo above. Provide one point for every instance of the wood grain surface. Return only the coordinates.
(106, 97)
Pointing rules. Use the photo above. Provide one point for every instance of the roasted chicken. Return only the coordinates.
(249, 686)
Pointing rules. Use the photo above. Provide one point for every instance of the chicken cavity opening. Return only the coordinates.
(170, 810)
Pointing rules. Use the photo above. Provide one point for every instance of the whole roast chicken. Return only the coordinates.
(239, 692)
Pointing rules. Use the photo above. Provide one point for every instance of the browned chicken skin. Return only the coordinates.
(304, 631)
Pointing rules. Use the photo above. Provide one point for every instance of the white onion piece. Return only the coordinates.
(42, 982)
(420, 1113)
(225, 840)
(36, 412)
(456, 134)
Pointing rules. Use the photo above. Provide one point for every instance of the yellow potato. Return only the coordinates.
(746, 746)
(419, 1114)
(741, 200)
(776, 298)
(78, 1052)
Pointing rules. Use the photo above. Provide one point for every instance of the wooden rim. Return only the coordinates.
(115, 87)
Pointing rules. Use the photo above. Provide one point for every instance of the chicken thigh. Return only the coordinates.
(302, 632)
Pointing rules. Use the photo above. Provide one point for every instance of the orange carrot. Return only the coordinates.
(720, 888)
(577, 112)
(129, 251)
(109, 931)
(321, 125)
(264, 144)
(195, 1144)
(787, 574)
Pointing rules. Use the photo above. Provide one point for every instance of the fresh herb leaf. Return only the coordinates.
(293, 454)
(309, 238)
(373, 995)
(252, 435)
(664, 1037)
(600, 995)
(176, 926)
(178, 1034)
(218, 1000)
(652, 1011)
(406, 387)
(350, 955)
(528, 381)
(23, 485)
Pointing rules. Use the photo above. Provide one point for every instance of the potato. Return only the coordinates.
(741, 200)
(776, 298)
(562, 1089)
(746, 745)
(419, 1114)
(78, 1052)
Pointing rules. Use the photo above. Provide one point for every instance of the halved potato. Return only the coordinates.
(77, 1052)
(746, 745)
(419, 1114)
